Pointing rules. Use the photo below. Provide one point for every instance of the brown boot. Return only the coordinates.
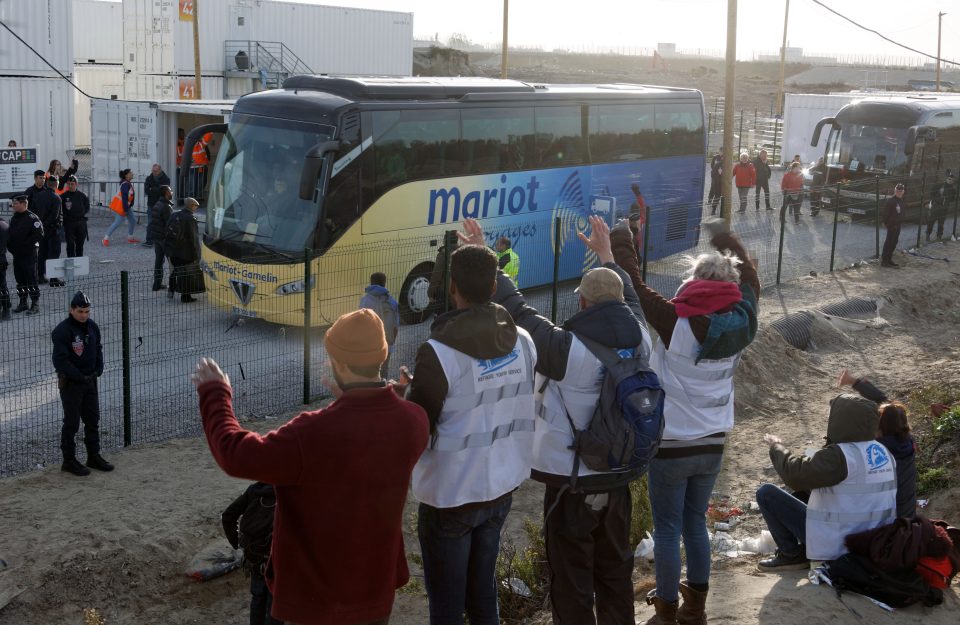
(692, 610)
(666, 612)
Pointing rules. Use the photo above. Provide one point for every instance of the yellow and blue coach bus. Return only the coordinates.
(362, 170)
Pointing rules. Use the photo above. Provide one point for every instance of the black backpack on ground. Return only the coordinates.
(898, 589)
(255, 531)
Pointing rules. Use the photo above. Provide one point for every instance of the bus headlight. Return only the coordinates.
(205, 268)
(292, 288)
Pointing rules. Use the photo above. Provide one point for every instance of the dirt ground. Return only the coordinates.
(119, 542)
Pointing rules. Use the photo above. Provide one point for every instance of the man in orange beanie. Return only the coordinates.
(341, 476)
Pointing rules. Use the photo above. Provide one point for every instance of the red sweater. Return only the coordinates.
(341, 476)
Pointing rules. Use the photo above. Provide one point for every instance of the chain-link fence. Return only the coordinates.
(152, 340)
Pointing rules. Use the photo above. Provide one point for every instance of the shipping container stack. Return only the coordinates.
(37, 104)
(98, 63)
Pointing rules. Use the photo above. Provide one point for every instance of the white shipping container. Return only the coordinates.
(100, 81)
(45, 26)
(38, 112)
(170, 87)
(137, 134)
(333, 40)
(801, 112)
(97, 31)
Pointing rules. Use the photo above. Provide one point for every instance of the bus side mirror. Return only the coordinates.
(819, 128)
(917, 132)
(313, 166)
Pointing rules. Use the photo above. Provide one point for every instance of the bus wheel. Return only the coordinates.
(414, 297)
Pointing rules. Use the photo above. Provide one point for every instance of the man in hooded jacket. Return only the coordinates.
(853, 484)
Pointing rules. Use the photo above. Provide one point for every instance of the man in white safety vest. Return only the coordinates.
(852, 483)
(474, 377)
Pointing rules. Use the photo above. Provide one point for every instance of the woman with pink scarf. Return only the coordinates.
(702, 332)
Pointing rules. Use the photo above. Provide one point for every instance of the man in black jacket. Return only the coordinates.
(75, 205)
(78, 360)
(182, 245)
(23, 241)
(716, 182)
(153, 188)
(587, 531)
(39, 182)
(248, 524)
(762, 168)
(47, 206)
(893, 212)
(943, 197)
(4, 293)
(160, 213)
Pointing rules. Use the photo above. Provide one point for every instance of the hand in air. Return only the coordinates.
(771, 440)
(208, 371)
(599, 239)
(472, 233)
(845, 379)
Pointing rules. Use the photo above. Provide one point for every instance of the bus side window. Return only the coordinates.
(497, 139)
(621, 132)
(679, 129)
(415, 145)
(341, 207)
(559, 136)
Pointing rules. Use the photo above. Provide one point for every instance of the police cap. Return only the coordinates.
(80, 300)
(71, 179)
(20, 198)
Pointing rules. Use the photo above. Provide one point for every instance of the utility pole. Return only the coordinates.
(196, 48)
(783, 60)
(728, 113)
(506, 19)
(939, 34)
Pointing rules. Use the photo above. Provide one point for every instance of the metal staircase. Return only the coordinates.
(270, 62)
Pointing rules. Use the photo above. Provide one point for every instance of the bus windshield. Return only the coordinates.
(254, 192)
(864, 149)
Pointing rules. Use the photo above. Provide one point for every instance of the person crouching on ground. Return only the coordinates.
(853, 484)
(248, 525)
(702, 331)
(341, 476)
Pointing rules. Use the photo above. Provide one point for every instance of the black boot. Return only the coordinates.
(72, 465)
(96, 461)
(22, 306)
(34, 308)
(5, 311)
(186, 299)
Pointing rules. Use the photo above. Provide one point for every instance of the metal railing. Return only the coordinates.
(272, 60)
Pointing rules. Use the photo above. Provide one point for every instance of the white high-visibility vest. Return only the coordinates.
(699, 395)
(484, 437)
(575, 395)
(866, 499)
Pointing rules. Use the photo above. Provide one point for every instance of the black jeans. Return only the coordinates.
(158, 259)
(890, 243)
(260, 602)
(590, 556)
(939, 220)
(715, 192)
(75, 232)
(49, 248)
(25, 273)
(4, 293)
(765, 187)
(80, 403)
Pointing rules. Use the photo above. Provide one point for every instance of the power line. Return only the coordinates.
(882, 36)
(40, 56)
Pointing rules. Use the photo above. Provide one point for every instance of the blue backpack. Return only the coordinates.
(627, 424)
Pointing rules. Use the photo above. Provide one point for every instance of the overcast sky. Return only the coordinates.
(691, 24)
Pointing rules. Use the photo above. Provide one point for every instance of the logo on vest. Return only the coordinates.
(77, 345)
(496, 364)
(496, 372)
(877, 456)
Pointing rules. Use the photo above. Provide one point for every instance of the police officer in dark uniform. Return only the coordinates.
(78, 359)
(47, 206)
(23, 241)
(4, 293)
(893, 212)
(39, 182)
(76, 205)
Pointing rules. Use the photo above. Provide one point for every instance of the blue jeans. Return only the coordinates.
(118, 219)
(459, 561)
(260, 602)
(786, 518)
(680, 491)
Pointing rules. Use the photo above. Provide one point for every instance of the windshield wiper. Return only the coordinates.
(238, 237)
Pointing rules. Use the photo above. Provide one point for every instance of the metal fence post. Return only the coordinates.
(783, 226)
(833, 242)
(307, 324)
(776, 157)
(920, 224)
(740, 136)
(646, 242)
(556, 269)
(876, 216)
(125, 351)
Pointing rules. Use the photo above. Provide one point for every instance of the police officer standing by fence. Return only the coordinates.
(78, 359)
(47, 206)
(4, 293)
(76, 205)
(23, 241)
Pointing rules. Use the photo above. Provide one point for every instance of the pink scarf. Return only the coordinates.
(704, 297)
